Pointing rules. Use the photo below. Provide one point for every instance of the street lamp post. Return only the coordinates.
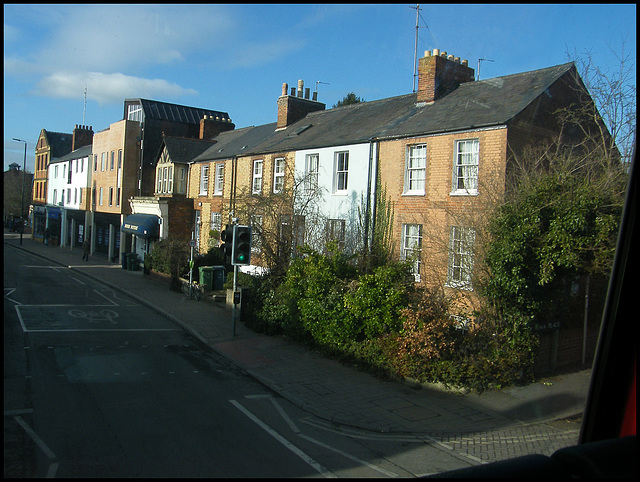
(24, 165)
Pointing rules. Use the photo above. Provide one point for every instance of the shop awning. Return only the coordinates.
(141, 225)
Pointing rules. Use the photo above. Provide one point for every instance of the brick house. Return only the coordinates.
(169, 206)
(441, 155)
(50, 145)
(219, 174)
(124, 167)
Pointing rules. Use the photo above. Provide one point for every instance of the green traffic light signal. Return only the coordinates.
(241, 253)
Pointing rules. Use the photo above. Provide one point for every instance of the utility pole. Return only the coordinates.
(24, 164)
(415, 49)
(84, 107)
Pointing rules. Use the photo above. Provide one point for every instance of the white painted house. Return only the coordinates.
(67, 192)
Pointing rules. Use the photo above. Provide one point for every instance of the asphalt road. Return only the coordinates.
(97, 385)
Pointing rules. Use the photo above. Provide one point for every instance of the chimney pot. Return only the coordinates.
(293, 91)
(306, 93)
(427, 53)
(438, 77)
(300, 87)
(285, 87)
(315, 96)
(465, 62)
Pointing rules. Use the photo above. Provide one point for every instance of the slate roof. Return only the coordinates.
(59, 142)
(489, 102)
(236, 142)
(472, 105)
(182, 149)
(83, 151)
(154, 109)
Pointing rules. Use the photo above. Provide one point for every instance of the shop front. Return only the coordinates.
(53, 226)
(144, 229)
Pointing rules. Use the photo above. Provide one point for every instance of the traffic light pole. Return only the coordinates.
(234, 309)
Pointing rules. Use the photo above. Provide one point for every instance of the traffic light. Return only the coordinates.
(241, 254)
(226, 236)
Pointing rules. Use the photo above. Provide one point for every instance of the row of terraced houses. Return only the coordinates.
(438, 155)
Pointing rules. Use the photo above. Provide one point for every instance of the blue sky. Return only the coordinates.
(235, 58)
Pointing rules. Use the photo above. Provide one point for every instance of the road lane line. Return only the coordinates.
(322, 470)
(285, 416)
(34, 436)
(349, 456)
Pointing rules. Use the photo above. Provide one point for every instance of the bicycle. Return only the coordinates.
(192, 291)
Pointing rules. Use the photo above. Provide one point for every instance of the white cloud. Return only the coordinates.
(120, 38)
(107, 88)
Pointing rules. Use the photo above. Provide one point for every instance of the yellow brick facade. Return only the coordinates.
(118, 184)
(439, 207)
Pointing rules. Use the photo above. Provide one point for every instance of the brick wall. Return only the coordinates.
(121, 135)
(438, 209)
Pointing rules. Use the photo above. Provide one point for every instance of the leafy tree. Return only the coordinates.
(558, 222)
(350, 98)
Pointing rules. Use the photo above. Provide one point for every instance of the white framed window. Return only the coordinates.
(170, 180)
(255, 221)
(159, 178)
(134, 112)
(460, 269)
(412, 246)
(100, 196)
(312, 165)
(341, 178)
(219, 183)
(118, 197)
(55, 172)
(336, 231)
(55, 196)
(278, 175)
(204, 179)
(415, 174)
(182, 180)
(102, 161)
(75, 196)
(113, 160)
(465, 167)
(216, 221)
(165, 173)
(257, 177)
(110, 196)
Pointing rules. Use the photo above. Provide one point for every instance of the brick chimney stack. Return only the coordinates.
(292, 108)
(439, 74)
(211, 126)
(82, 136)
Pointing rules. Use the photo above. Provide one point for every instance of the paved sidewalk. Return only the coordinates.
(323, 387)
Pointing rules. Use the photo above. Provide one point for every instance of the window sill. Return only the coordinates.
(414, 193)
(463, 193)
(458, 285)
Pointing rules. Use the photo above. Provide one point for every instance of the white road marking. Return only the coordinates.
(34, 436)
(349, 456)
(284, 415)
(322, 470)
